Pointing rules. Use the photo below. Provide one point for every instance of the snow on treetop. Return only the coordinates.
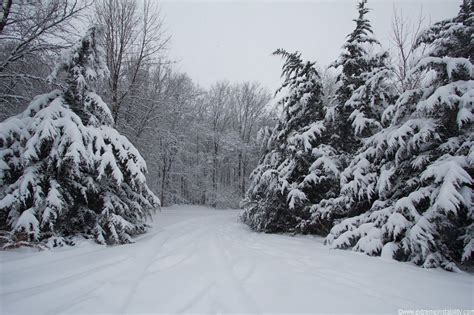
(85, 59)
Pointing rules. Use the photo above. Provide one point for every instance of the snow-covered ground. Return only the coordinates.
(205, 261)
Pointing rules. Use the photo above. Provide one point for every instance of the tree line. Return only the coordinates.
(379, 160)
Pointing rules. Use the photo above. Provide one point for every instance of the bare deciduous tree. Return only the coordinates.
(30, 34)
(404, 38)
(134, 40)
(250, 102)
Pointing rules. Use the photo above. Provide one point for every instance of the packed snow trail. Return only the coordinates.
(198, 260)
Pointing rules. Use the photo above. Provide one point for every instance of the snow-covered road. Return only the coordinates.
(205, 261)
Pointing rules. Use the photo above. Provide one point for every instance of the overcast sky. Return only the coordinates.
(233, 40)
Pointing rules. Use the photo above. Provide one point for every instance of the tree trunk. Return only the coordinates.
(163, 185)
(214, 175)
(242, 187)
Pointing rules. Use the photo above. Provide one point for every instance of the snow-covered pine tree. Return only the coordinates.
(279, 191)
(354, 191)
(64, 170)
(423, 209)
(353, 114)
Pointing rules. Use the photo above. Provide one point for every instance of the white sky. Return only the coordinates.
(233, 40)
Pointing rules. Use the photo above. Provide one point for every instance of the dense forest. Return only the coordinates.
(374, 152)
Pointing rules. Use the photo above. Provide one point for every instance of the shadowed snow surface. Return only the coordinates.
(200, 260)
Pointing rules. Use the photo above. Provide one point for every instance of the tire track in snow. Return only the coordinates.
(222, 290)
(353, 282)
(136, 282)
(77, 300)
(341, 278)
(197, 297)
(15, 261)
(154, 257)
(61, 282)
(236, 283)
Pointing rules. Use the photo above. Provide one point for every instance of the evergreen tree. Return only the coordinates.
(352, 191)
(279, 189)
(358, 63)
(64, 170)
(421, 165)
(353, 114)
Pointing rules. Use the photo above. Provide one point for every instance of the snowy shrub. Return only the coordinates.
(64, 170)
